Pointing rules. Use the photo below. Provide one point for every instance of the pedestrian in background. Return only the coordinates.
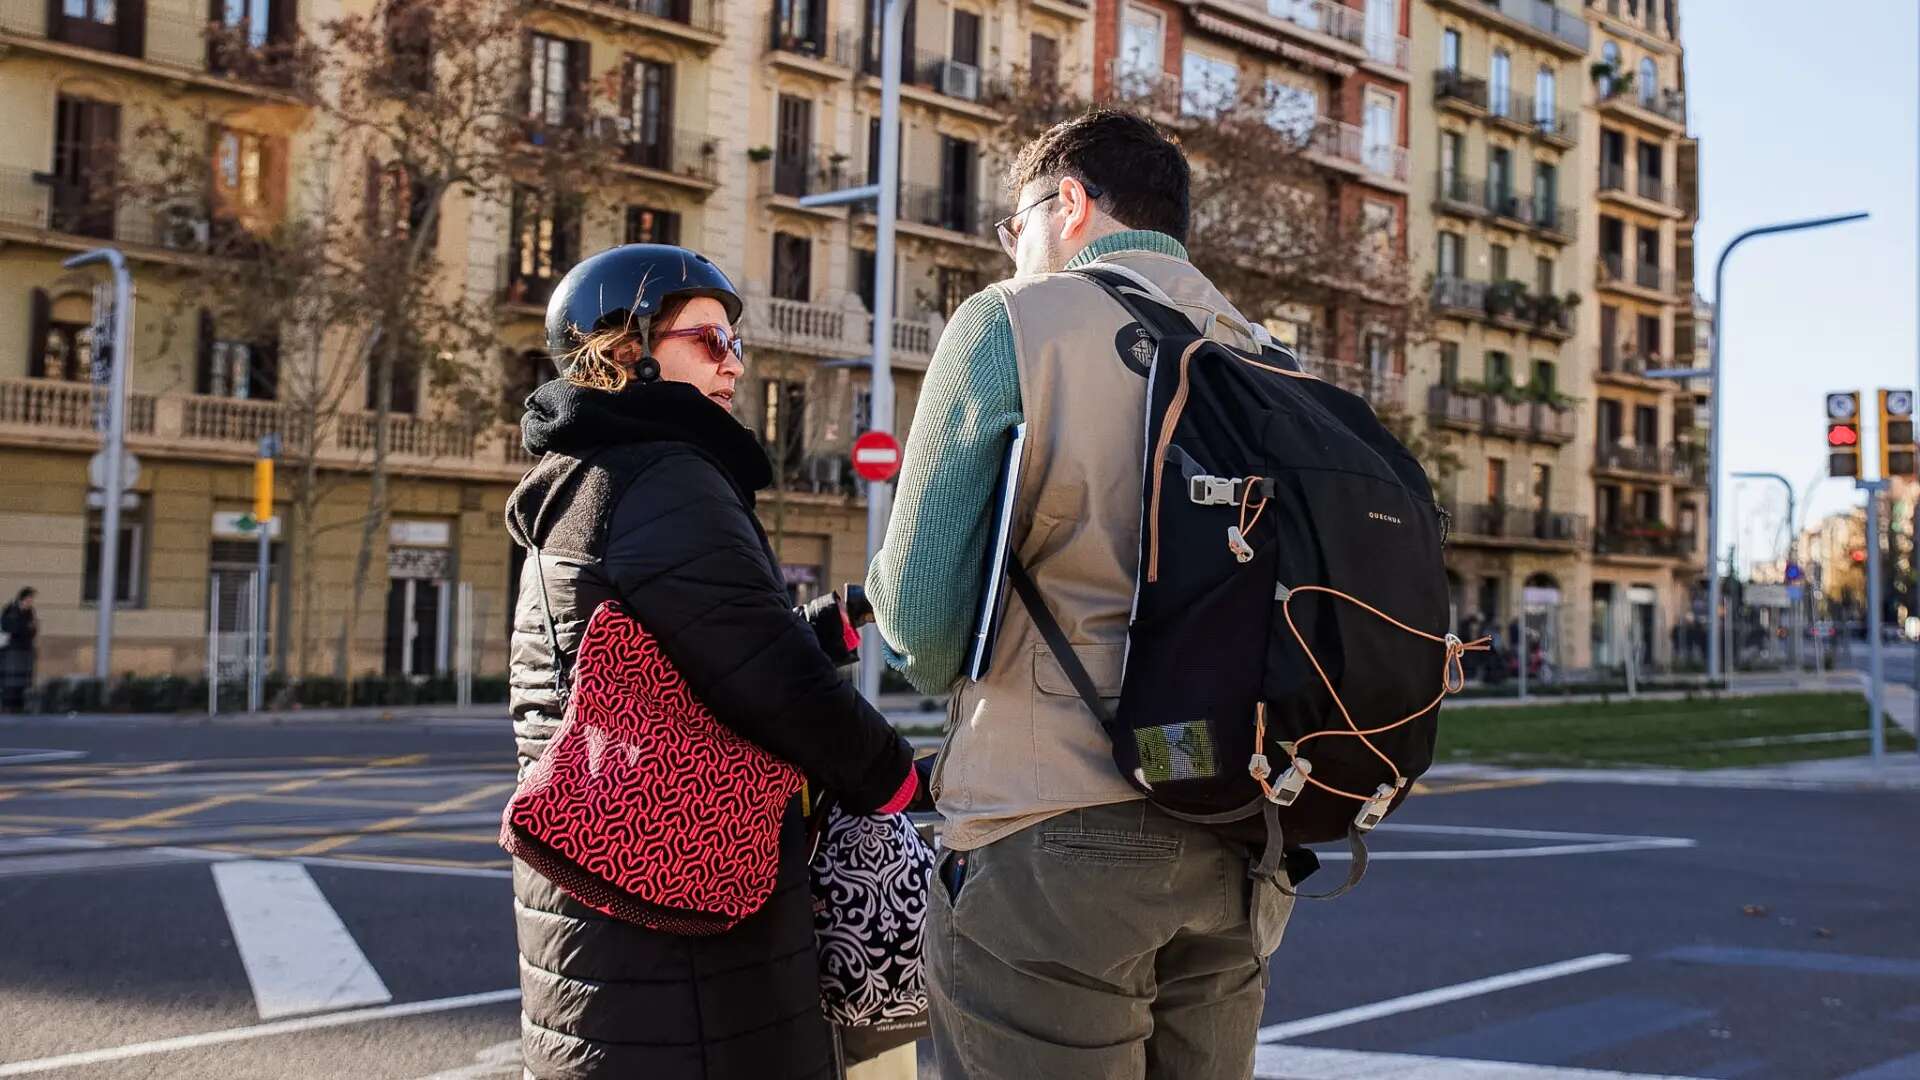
(20, 626)
(644, 495)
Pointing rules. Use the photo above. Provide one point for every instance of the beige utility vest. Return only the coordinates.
(1021, 746)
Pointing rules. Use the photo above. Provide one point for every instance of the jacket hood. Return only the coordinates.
(573, 422)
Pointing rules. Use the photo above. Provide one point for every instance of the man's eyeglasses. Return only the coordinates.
(1009, 233)
(719, 341)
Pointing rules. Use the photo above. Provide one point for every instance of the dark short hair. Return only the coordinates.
(1140, 172)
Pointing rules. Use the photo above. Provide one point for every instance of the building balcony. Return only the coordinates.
(841, 331)
(51, 414)
(1631, 368)
(1682, 463)
(1565, 31)
(1643, 191)
(1646, 279)
(1345, 147)
(1317, 21)
(834, 50)
(1475, 409)
(38, 208)
(687, 159)
(1378, 386)
(1547, 217)
(701, 23)
(801, 171)
(157, 41)
(1522, 113)
(1460, 195)
(1500, 525)
(1651, 540)
(1664, 108)
(948, 214)
(1457, 90)
(934, 78)
(1505, 304)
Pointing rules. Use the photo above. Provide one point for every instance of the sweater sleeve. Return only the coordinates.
(924, 583)
(686, 559)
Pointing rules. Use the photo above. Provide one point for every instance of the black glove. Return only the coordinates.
(923, 797)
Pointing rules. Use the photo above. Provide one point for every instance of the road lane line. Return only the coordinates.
(299, 956)
(1311, 1025)
(444, 806)
(1581, 844)
(256, 1031)
(1314, 1063)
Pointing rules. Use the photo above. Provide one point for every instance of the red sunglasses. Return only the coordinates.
(719, 341)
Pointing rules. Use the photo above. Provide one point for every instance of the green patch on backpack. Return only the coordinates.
(1175, 752)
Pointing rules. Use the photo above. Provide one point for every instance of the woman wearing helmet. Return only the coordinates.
(644, 494)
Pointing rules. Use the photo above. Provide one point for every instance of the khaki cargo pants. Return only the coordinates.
(1112, 943)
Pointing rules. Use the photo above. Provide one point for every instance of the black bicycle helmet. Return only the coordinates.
(624, 287)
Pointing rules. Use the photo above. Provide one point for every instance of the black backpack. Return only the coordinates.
(1288, 649)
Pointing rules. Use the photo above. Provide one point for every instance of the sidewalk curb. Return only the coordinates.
(1899, 772)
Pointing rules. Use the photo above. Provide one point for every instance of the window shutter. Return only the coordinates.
(203, 373)
(629, 89)
(132, 18)
(667, 72)
(579, 56)
(283, 21)
(263, 383)
(37, 331)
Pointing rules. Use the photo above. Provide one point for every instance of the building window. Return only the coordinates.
(60, 338)
(1452, 156)
(1043, 62)
(1649, 81)
(966, 37)
(955, 286)
(863, 275)
(1500, 84)
(646, 225)
(251, 18)
(793, 146)
(1499, 178)
(1546, 193)
(239, 170)
(1609, 422)
(410, 43)
(1499, 369)
(783, 423)
(544, 243)
(1649, 343)
(1450, 51)
(1378, 133)
(1496, 481)
(959, 165)
(792, 267)
(1143, 35)
(1292, 109)
(1646, 426)
(1452, 254)
(233, 368)
(130, 562)
(800, 26)
(524, 374)
(1543, 275)
(1208, 86)
(555, 71)
(649, 113)
(86, 154)
(1544, 377)
(1542, 488)
(404, 371)
(1449, 363)
(1383, 39)
(1498, 256)
(1545, 111)
(1610, 57)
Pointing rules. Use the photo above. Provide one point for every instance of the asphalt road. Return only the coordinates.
(1659, 930)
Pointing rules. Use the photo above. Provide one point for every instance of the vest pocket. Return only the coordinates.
(1072, 756)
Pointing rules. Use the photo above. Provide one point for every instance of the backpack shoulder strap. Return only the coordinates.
(1150, 307)
(1058, 645)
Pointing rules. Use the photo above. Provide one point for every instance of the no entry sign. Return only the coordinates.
(876, 456)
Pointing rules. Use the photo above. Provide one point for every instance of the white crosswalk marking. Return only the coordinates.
(1309, 1063)
(298, 954)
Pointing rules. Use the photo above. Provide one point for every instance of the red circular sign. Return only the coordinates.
(876, 456)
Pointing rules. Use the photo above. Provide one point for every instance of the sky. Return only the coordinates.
(1804, 110)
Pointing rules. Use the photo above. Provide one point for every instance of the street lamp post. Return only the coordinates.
(1793, 631)
(1713, 436)
(115, 430)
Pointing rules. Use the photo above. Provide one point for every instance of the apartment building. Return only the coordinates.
(1495, 222)
(1649, 461)
(725, 116)
(1333, 73)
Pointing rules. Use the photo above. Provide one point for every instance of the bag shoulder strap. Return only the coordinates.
(562, 676)
(1058, 645)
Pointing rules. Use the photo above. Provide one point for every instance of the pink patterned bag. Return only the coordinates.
(644, 806)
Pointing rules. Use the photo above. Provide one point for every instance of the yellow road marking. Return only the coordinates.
(457, 802)
(162, 817)
(1480, 785)
(461, 802)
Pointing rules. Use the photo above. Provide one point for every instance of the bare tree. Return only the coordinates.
(414, 107)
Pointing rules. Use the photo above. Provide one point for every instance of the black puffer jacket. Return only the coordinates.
(646, 497)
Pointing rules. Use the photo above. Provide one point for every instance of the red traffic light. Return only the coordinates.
(1858, 555)
(1843, 435)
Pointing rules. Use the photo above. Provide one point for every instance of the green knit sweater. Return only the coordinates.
(925, 581)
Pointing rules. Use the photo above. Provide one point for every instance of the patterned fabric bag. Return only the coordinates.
(644, 806)
(870, 876)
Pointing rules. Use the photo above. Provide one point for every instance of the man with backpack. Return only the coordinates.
(1076, 928)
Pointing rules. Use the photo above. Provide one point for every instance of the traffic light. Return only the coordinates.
(1896, 433)
(1843, 434)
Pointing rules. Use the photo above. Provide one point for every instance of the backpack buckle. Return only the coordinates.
(1291, 783)
(1213, 490)
(1375, 809)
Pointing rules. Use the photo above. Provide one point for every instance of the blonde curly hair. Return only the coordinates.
(597, 362)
